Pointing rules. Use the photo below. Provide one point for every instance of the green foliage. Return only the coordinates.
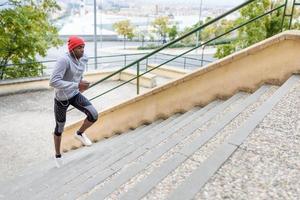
(24, 70)
(161, 26)
(190, 40)
(124, 28)
(257, 30)
(216, 29)
(182, 45)
(26, 31)
(173, 32)
(225, 49)
(149, 46)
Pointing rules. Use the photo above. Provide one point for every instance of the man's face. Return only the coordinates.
(78, 51)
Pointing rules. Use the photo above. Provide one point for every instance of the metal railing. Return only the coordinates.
(187, 62)
(141, 63)
(202, 45)
(109, 62)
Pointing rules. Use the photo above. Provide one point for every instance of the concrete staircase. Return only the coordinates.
(166, 73)
(169, 159)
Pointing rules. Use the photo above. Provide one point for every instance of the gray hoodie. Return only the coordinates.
(66, 76)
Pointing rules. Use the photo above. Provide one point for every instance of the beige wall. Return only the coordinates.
(271, 61)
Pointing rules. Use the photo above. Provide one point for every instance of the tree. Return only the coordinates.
(161, 27)
(191, 39)
(124, 28)
(216, 29)
(141, 34)
(173, 32)
(26, 31)
(255, 31)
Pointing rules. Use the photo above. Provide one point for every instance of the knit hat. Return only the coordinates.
(74, 42)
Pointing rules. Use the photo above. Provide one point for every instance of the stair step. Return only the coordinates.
(209, 167)
(162, 80)
(175, 124)
(40, 170)
(118, 159)
(156, 176)
(39, 185)
(167, 185)
(109, 187)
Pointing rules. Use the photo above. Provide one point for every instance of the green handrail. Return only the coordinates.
(174, 41)
(180, 38)
(284, 14)
(178, 56)
(291, 18)
(217, 37)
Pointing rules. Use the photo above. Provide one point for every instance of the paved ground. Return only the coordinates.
(27, 121)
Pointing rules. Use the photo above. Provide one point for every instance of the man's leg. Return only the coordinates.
(83, 104)
(60, 110)
(57, 141)
(86, 124)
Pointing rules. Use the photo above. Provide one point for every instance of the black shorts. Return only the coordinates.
(79, 102)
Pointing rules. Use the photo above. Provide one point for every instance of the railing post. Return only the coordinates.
(125, 60)
(292, 14)
(138, 78)
(203, 47)
(146, 64)
(184, 62)
(284, 14)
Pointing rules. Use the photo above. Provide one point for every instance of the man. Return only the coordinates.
(67, 81)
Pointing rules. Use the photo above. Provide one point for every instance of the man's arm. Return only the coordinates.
(56, 79)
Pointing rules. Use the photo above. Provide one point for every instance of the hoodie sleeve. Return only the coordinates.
(56, 79)
(84, 60)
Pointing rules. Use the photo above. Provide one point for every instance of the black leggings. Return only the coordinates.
(79, 102)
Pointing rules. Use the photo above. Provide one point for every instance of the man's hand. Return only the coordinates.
(83, 85)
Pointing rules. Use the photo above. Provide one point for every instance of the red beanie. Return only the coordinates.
(74, 42)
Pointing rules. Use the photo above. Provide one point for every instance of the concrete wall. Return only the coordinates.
(271, 61)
